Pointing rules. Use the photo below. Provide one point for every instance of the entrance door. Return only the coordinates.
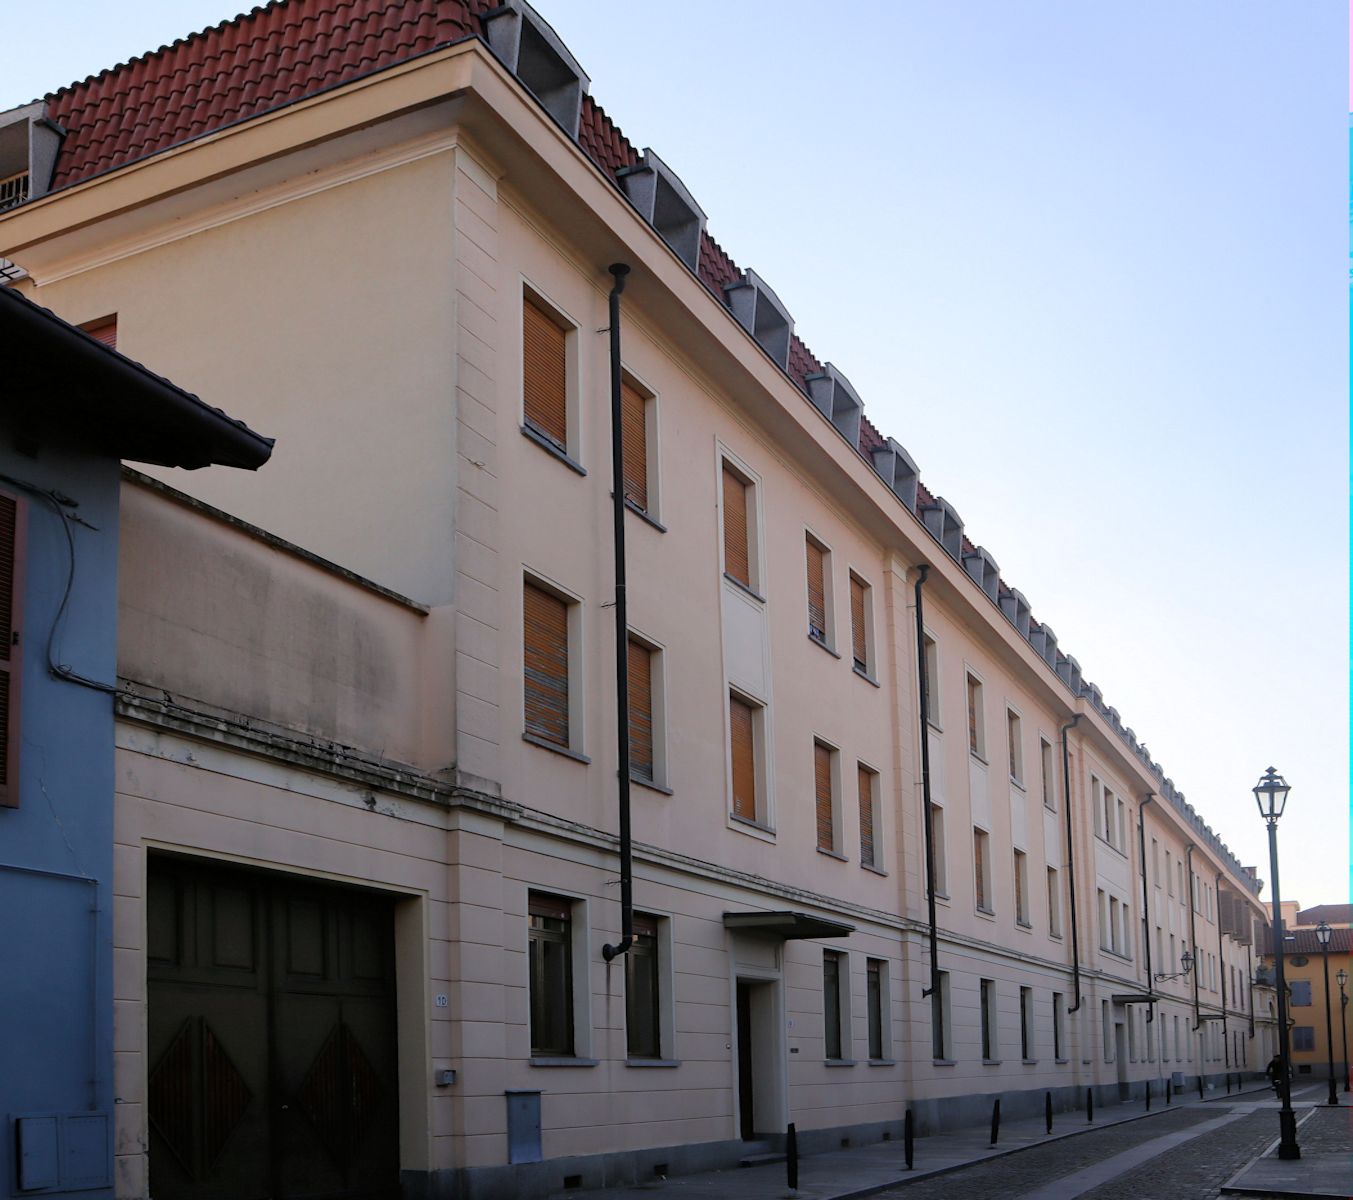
(746, 1097)
(1120, 1052)
(271, 1037)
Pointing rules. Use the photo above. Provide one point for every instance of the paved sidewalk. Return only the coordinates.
(864, 1170)
(1325, 1168)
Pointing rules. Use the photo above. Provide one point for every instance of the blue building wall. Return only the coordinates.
(56, 856)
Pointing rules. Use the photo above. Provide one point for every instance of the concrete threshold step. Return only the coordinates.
(761, 1160)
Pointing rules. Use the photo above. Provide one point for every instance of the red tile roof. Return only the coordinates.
(1304, 941)
(239, 69)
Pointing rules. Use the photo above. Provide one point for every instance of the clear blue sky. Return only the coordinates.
(1087, 262)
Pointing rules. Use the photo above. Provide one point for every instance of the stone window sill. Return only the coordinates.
(564, 750)
(534, 435)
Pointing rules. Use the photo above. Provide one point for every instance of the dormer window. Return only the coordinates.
(899, 471)
(664, 202)
(1016, 609)
(982, 567)
(532, 51)
(836, 400)
(759, 311)
(943, 521)
(1044, 642)
(28, 146)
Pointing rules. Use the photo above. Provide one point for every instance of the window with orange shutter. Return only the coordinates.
(545, 654)
(822, 789)
(817, 592)
(544, 374)
(634, 444)
(736, 553)
(867, 817)
(859, 644)
(742, 735)
(104, 331)
(13, 511)
(641, 710)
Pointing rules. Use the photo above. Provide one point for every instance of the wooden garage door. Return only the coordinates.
(271, 1037)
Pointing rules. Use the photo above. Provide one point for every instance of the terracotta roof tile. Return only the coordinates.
(258, 61)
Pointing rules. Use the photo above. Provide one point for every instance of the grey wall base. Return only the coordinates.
(533, 1181)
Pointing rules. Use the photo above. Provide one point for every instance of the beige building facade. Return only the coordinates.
(367, 760)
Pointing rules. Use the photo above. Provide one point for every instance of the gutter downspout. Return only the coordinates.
(1071, 864)
(1197, 959)
(1249, 979)
(622, 679)
(1221, 964)
(923, 683)
(1146, 908)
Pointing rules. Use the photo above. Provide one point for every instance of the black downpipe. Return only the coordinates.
(622, 678)
(1197, 957)
(1071, 863)
(1249, 977)
(1146, 908)
(928, 810)
(1221, 969)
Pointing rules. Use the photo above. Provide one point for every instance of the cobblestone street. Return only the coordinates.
(1185, 1155)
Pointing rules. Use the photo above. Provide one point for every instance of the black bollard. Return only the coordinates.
(1228, 1083)
(1200, 1086)
(1089, 1104)
(792, 1157)
(1148, 1095)
(908, 1138)
(1047, 1110)
(995, 1122)
(1169, 1089)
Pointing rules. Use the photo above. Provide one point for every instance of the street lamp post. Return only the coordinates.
(1322, 935)
(1342, 977)
(1271, 795)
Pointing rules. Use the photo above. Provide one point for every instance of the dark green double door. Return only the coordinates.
(271, 1037)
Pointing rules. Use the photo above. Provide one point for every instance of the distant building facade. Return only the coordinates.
(366, 814)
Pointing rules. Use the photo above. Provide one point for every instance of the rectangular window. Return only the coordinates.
(551, 976)
(977, 741)
(634, 444)
(742, 721)
(824, 796)
(1303, 1037)
(932, 681)
(1097, 806)
(1109, 817)
(544, 374)
(868, 816)
(1054, 903)
(13, 522)
(1106, 1022)
(1121, 826)
(1300, 990)
(832, 974)
(818, 560)
(1026, 1023)
(941, 1018)
(1178, 1045)
(1048, 777)
(546, 665)
(1113, 926)
(643, 1036)
(737, 558)
(641, 711)
(1169, 874)
(941, 861)
(1014, 746)
(876, 998)
(859, 624)
(1022, 888)
(987, 1000)
(1105, 938)
(981, 860)
(1058, 1026)
(103, 330)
